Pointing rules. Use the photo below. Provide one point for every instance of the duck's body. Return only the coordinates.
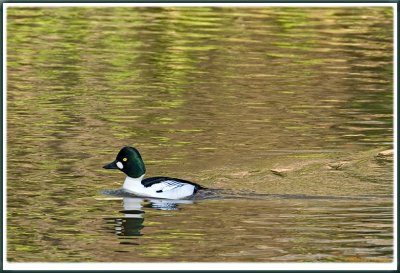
(160, 187)
(130, 162)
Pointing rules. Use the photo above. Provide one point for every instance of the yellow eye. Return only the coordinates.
(124, 159)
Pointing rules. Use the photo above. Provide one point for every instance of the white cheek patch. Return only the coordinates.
(119, 165)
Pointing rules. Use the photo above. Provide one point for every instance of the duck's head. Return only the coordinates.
(129, 161)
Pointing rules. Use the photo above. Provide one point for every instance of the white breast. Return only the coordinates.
(133, 185)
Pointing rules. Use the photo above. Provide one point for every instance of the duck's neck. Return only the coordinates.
(133, 184)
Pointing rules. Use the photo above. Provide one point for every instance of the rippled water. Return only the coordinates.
(219, 96)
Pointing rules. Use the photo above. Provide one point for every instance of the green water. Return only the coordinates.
(219, 96)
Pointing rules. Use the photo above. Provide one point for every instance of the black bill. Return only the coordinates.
(112, 165)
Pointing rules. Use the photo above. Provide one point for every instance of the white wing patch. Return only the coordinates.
(167, 185)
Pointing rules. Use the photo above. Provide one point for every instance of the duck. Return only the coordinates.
(130, 162)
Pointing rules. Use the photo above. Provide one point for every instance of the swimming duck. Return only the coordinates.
(131, 163)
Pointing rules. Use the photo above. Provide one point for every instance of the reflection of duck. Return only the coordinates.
(130, 162)
(126, 226)
(132, 222)
(166, 204)
(133, 205)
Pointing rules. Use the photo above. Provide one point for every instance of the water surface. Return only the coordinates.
(215, 95)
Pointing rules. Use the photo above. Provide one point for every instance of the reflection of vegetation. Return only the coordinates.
(187, 85)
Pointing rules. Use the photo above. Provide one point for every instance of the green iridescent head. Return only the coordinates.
(128, 161)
